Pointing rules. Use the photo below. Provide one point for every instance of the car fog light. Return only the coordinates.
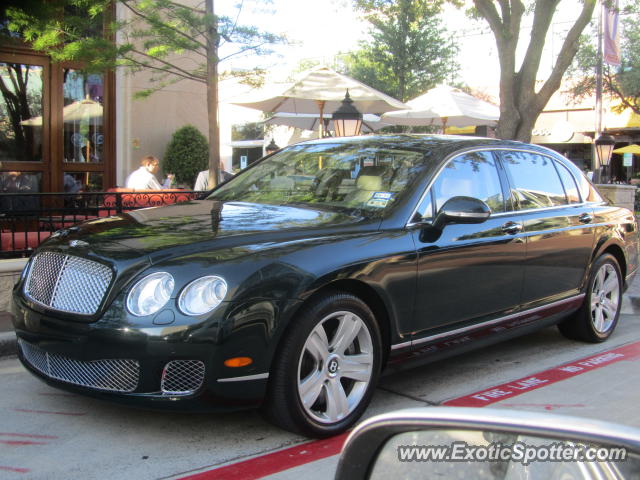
(202, 295)
(150, 294)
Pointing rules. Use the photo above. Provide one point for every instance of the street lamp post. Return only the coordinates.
(347, 120)
(604, 148)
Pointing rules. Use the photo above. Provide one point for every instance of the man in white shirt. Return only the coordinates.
(202, 180)
(144, 177)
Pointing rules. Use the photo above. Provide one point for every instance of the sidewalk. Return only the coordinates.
(8, 343)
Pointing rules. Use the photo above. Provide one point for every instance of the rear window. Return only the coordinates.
(570, 187)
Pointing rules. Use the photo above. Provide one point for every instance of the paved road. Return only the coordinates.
(48, 434)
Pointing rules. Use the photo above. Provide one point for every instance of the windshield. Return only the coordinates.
(339, 176)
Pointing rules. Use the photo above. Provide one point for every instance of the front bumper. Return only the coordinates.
(141, 365)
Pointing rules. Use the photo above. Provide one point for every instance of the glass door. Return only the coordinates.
(24, 125)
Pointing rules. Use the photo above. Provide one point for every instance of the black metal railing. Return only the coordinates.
(27, 219)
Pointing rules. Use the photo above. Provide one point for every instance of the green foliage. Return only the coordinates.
(186, 155)
(248, 131)
(152, 36)
(408, 52)
(621, 82)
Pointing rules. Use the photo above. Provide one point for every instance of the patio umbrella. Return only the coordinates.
(309, 121)
(322, 90)
(452, 106)
(635, 149)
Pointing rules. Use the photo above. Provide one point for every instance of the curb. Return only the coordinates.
(8, 344)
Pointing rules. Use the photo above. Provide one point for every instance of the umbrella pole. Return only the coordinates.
(321, 122)
(444, 125)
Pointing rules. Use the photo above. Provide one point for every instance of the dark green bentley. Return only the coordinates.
(294, 284)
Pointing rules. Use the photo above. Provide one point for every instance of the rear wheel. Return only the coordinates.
(598, 316)
(326, 371)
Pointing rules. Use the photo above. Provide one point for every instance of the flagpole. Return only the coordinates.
(598, 125)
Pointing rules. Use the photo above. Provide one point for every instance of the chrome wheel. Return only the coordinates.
(335, 367)
(605, 298)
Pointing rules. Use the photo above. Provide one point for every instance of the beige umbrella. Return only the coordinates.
(322, 90)
(452, 106)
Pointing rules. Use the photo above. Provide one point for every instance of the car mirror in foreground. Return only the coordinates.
(491, 444)
(462, 210)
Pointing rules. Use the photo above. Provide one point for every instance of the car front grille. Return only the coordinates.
(115, 375)
(67, 283)
(182, 377)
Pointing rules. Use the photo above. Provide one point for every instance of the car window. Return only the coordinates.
(534, 180)
(340, 176)
(470, 175)
(570, 187)
(587, 190)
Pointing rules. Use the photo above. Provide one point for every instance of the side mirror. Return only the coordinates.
(458, 442)
(462, 210)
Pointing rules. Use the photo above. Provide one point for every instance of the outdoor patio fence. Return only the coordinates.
(27, 219)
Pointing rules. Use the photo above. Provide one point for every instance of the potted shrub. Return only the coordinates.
(186, 155)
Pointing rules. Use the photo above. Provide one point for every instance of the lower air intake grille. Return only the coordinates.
(114, 375)
(182, 377)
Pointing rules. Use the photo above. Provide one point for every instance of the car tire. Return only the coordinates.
(598, 315)
(326, 370)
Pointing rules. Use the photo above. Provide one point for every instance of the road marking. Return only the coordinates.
(21, 443)
(47, 412)
(14, 469)
(514, 388)
(275, 462)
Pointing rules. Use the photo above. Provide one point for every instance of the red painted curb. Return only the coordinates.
(504, 391)
(275, 462)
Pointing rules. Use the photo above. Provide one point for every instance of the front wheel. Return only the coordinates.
(598, 316)
(325, 373)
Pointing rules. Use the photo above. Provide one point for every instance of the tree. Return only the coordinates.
(408, 52)
(621, 82)
(521, 98)
(156, 36)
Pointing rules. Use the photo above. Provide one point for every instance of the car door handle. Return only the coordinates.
(511, 228)
(585, 218)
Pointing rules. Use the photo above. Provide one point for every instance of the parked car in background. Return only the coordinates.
(291, 286)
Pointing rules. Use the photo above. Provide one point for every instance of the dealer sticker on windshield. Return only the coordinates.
(379, 199)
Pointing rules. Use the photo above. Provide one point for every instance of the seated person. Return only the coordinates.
(202, 180)
(144, 177)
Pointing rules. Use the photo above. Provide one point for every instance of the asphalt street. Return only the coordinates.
(49, 434)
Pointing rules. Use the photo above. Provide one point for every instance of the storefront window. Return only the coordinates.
(83, 115)
(21, 112)
(19, 182)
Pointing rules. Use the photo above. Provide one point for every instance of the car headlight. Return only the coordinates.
(202, 295)
(150, 294)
